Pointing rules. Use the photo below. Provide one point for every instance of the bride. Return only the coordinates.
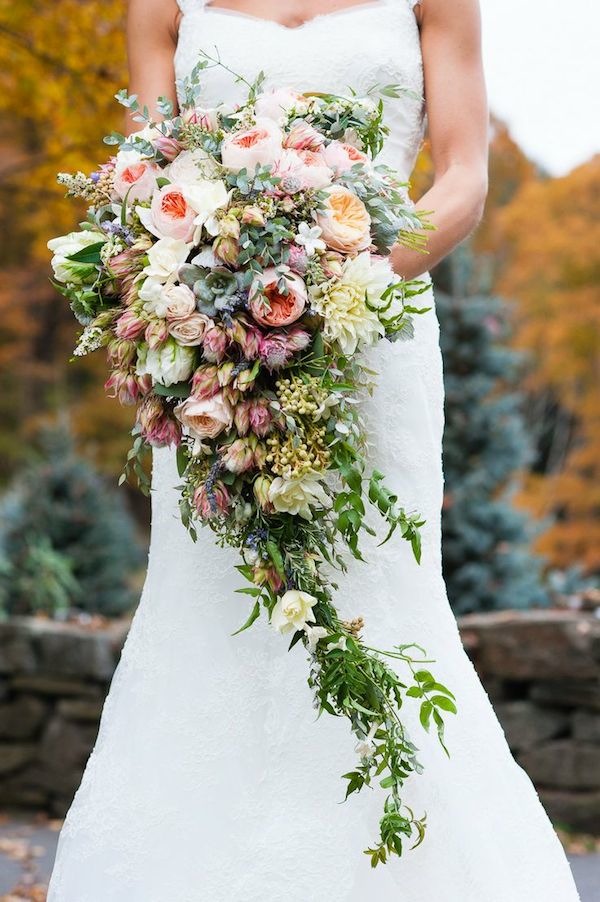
(210, 781)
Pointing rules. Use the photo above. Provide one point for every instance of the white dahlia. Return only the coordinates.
(342, 302)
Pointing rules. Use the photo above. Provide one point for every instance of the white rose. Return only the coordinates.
(191, 166)
(205, 418)
(62, 247)
(297, 496)
(167, 364)
(293, 611)
(276, 104)
(205, 197)
(165, 257)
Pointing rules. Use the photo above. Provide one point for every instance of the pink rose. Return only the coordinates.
(345, 222)
(170, 215)
(307, 166)
(189, 331)
(277, 102)
(269, 305)
(205, 418)
(179, 302)
(136, 180)
(248, 148)
(341, 157)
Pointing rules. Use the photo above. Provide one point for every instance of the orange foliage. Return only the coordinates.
(551, 242)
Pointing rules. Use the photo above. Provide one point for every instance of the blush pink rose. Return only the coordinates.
(248, 148)
(137, 180)
(170, 215)
(276, 103)
(189, 331)
(341, 157)
(308, 166)
(270, 306)
(205, 418)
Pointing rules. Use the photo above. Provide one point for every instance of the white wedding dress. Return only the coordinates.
(211, 781)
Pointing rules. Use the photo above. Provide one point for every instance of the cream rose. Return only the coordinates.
(205, 418)
(248, 148)
(190, 331)
(168, 364)
(298, 496)
(164, 259)
(345, 223)
(179, 301)
(293, 611)
(191, 166)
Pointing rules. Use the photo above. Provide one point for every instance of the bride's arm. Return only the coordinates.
(151, 41)
(458, 129)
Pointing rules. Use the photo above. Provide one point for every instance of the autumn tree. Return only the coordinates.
(551, 266)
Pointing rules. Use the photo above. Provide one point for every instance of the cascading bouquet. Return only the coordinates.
(234, 263)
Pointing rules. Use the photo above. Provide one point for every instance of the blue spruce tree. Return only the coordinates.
(487, 561)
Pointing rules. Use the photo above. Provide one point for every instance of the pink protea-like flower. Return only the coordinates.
(211, 502)
(253, 215)
(124, 265)
(205, 382)
(168, 147)
(130, 325)
(278, 348)
(303, 136)
(244, 380)
(121, 352)
(238, 457)
(297, 259)
(215, 343)
(333, 264)
(157, 332)
(263, 574)
(208, 118)
(241, 417)
(260, 417)
(124, 386)
(157, 424)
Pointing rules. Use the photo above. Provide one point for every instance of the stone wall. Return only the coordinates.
(541, 670)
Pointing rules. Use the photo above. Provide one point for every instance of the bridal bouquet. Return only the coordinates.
(234, 264)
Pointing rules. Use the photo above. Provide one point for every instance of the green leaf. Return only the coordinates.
(255, 614)
(446, 704)
(88, 254)
(177, 390)
(425, 714)
(182, 460)
(275, 555)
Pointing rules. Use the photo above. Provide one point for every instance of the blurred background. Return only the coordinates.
(518, 306)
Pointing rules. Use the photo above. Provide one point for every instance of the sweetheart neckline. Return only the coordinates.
(208, 9)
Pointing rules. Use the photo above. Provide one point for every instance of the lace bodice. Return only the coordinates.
(359, 47)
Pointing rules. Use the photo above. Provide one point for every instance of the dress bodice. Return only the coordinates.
(374, 43)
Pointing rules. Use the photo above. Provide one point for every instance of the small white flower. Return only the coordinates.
(165, 257)
(364, 748)
(314, 634)
(309, 237)
(341, 644)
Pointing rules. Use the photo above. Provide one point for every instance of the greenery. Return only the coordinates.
(66, 542)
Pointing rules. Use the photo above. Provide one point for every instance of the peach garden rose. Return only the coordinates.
(270, 306)
(205, 418)
(248, 148)
(345, 222)
(170, 215)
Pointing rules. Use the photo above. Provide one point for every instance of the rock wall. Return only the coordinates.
(541, 670)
